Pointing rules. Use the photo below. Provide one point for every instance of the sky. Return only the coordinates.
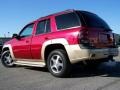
(15, 14)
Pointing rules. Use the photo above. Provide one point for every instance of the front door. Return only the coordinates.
(22, 46)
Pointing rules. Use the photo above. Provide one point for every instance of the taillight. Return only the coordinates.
(83, 37)
(110, 38)
(114, 42)
(84, 41)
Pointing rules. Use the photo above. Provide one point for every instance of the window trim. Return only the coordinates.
(46, 25)
(68, 28)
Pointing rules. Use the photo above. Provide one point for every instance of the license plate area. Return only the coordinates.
(103, 38)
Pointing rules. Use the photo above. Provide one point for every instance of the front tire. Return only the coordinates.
(6, 59)
(58, 63)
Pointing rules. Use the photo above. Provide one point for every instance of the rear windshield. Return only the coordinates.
(92, 20)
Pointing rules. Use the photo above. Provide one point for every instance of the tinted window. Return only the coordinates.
(66, 21)
(27, 31)
(43, 27)
(40, 27)
(92, 20)
(48, 26)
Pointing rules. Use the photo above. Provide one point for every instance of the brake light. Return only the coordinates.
(110, 38)
(114, 42)
(83, 37)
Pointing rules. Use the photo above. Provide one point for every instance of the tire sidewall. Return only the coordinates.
(2, 59)
(66, 65)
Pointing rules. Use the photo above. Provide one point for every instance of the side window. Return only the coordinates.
(40, 27)
(43, 27)
(48, 29)
(67, 20)
(27, 31)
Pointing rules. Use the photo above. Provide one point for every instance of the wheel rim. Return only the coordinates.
(7, 59)
(56, 63)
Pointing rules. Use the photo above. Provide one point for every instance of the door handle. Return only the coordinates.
(47, 38)
(27, 41)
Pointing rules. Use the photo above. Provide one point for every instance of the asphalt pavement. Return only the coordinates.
(105, 77)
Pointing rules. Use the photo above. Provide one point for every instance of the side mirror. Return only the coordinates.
(16, 36)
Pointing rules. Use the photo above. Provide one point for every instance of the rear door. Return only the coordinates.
(42, 34)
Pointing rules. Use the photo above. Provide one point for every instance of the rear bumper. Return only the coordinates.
(77, 54)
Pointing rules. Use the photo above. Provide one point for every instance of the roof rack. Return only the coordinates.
(68, 10)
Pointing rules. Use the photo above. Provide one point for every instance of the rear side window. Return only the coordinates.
(43, 27)
(47, 26)
(67, 20)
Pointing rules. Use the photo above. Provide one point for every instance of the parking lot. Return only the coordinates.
(104, 77)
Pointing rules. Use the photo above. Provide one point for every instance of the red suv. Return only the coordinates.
(59, 40)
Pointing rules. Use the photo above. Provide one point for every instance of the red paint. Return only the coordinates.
(30, 47)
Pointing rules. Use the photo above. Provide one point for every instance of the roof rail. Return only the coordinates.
(68, 10)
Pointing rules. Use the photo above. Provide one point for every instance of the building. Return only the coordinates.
(2, 41)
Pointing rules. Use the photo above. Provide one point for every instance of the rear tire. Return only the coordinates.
(6, 59)
(58, 63)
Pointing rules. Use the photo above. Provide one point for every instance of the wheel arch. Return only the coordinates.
(51, 45)
(8, 47)
(5, 49)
